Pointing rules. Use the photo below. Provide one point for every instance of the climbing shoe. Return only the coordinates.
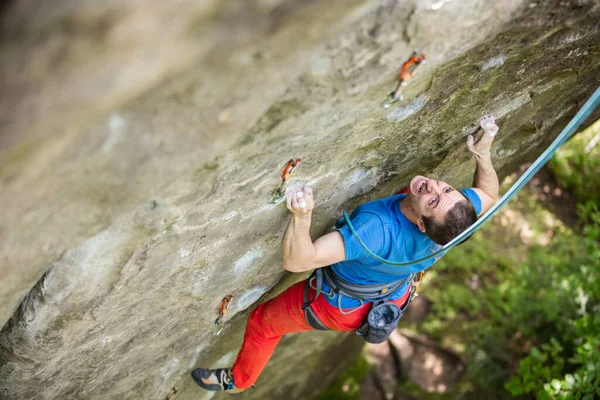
(219, 379)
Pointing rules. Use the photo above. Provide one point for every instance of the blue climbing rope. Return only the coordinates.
(566, 133)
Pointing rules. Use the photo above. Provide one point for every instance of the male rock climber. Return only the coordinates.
(402, 227)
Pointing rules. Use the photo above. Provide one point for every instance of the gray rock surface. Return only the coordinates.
(141, 142)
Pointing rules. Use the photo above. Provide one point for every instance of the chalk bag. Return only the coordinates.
(380, 323)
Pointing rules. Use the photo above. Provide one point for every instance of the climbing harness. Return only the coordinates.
(383, 317)
(410, 267)
(285, 175)
(222, 311)
(406, 72)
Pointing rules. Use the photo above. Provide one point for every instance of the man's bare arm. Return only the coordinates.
(299, 252)
(485, 181)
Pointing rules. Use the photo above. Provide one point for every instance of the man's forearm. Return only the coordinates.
(298, 249)
(485, 176)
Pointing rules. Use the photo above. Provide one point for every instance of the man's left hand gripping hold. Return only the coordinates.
(299, 252)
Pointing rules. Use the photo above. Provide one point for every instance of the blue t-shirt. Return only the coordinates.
(389, 234)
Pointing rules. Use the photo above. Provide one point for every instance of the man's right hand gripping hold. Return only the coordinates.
(403, 227)
(299, 252)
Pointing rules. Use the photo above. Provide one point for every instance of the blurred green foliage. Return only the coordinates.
(568, 366)
(577, 165)
(347, 384)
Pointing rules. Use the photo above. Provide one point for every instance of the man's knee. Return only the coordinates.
(259, 327)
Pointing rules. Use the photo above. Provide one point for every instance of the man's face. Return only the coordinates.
(431, 198)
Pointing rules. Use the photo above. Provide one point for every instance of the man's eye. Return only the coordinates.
(432, 202)
(448, 189)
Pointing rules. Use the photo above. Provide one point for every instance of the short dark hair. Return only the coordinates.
(459, 218)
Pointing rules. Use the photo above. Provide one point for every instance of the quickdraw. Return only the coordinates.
(285, 175)
(222, 311)
(406, 72)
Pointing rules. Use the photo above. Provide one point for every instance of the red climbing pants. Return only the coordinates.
(271, 320)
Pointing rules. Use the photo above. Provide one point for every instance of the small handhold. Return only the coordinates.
(492, 63)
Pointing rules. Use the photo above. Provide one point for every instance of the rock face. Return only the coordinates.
(128, 217)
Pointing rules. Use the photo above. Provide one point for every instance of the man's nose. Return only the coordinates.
(433, 186)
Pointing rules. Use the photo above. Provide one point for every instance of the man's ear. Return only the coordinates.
(421, 225)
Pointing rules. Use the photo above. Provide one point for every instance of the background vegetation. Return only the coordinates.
(520, 301)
